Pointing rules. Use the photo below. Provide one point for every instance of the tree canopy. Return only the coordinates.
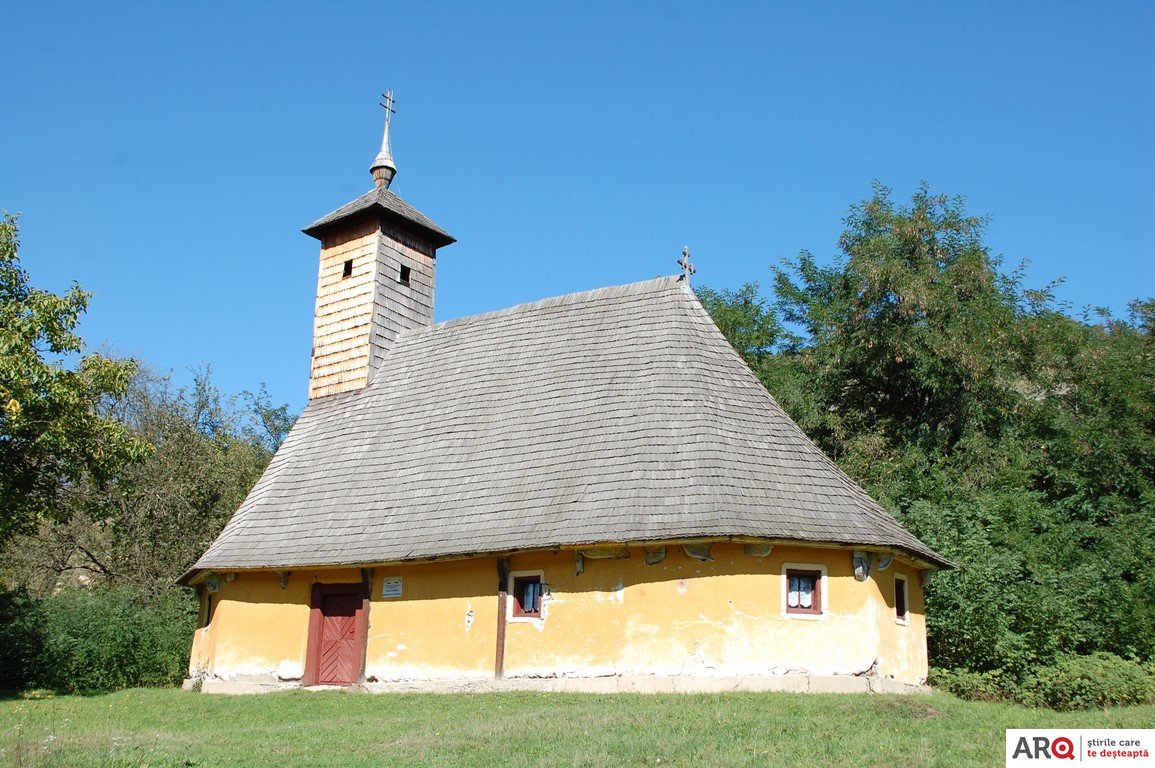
(1015, 439)
(111, 474)
(112, 481)
(147, 524)
(52, 431)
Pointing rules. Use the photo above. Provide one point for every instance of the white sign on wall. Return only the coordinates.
(391, 587)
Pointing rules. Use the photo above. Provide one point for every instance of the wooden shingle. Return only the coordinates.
(616, 415)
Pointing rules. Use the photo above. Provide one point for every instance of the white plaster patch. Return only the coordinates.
(683, 587)
(547, 599)
(289, 669)
(619, 593)
(416, 673)
(468, 617)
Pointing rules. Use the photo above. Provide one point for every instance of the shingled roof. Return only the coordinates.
(388, 204)
(618, 415)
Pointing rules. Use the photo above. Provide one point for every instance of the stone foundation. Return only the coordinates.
(791, 683)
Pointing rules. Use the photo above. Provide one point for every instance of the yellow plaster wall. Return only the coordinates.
(906, 643)
(723, 617)
(444, 625)
(259, 630)
(679, 617)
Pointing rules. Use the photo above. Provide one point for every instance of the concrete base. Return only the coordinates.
(236, 686)
(791, 683)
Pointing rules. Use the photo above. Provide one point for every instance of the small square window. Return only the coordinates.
(527, 596)
(900, 607)
(347, 270)
(403, 275)
(804, 592)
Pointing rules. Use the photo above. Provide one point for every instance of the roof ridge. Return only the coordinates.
(642, 286)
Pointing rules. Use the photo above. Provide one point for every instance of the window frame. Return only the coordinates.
(207, 611)
(904, 617)
(514, 610)
(819, 609)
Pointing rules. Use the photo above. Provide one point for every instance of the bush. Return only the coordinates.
(1088, 682)
(21, 640)
(84, 641)
(972, 686)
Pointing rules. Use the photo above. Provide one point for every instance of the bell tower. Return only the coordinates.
(376, 278)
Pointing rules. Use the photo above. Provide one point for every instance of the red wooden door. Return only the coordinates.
(336, 635)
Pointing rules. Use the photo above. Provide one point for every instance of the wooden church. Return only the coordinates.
(590, 492)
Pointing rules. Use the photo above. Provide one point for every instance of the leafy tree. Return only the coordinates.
(268, 425)
(113, 481)
(746, 320)
(911, 331)
(52, 432)
(1016, 439)
(150, 521)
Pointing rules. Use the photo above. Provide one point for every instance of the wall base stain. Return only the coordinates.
(788, 682)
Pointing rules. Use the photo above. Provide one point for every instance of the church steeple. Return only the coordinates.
(376, 278)
(383, 168)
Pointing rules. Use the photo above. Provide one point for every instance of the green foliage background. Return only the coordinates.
(1015, 439)
(51, 432)
(114, 481)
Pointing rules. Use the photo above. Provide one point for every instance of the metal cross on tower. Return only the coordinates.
(684, 263)
(388, 104)
(383, 168)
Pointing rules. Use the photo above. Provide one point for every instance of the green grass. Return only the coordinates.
(148, 727)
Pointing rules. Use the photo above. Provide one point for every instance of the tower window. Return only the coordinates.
(347, 271)
(403, 277)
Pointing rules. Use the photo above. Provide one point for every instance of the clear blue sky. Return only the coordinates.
(165, 155)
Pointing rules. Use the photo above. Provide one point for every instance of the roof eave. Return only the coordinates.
(926, 560)
(439, 239)
(369, 204)
(187, 578)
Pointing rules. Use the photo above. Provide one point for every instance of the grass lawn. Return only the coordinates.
(147, 727)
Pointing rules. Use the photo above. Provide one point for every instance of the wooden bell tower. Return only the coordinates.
(376, 279)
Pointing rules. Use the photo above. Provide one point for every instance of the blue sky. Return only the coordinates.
(166, 155)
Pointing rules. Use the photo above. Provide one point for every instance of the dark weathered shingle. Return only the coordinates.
(389, 203)
(617, 415)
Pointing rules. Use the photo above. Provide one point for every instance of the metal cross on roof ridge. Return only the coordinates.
(684, 263)
(388, 104)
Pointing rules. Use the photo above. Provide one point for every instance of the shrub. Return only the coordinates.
(83, 641)
(103, 640)
(21, 640)
(972, 686)
(1087, 682)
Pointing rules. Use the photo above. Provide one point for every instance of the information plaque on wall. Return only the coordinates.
(391, 587)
